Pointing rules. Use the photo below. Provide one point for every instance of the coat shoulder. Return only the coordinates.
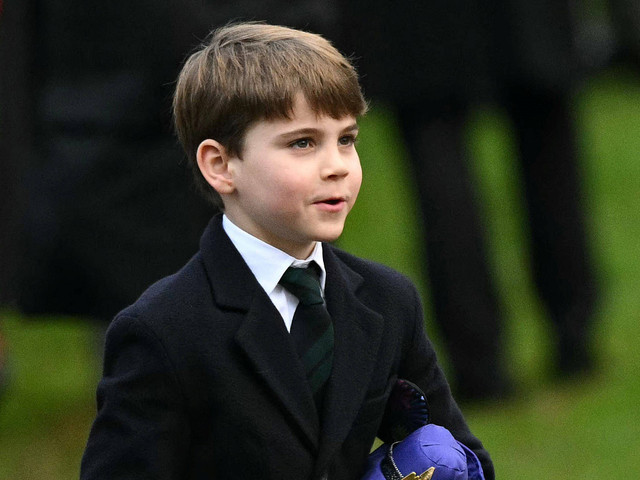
(176, 294)
(375, 275)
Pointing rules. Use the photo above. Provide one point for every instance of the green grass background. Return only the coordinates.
(551, 430)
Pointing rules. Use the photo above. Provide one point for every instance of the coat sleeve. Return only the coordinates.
(420, 366)
(141, 429)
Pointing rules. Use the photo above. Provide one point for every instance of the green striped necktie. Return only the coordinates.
(311, 328)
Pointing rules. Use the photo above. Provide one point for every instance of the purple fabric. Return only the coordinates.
(429, 446)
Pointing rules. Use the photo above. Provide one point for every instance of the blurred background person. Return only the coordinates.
(433, 61)
(625, 25)
(12, 126)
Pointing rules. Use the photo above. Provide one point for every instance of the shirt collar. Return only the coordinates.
(266, 262)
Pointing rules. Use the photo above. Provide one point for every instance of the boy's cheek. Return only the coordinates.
(355, 191)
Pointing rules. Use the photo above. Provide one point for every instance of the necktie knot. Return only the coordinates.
(304, 283)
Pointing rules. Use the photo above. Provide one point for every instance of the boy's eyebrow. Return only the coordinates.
(313, 131)
(352, 128)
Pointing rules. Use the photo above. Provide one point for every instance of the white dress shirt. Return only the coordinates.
(268, 264)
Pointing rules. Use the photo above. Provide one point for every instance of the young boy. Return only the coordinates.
(214, 371)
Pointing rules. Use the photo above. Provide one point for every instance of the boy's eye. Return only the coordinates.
(347, 140)
(301, 143)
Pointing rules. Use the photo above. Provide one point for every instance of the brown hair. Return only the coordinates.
(247, 72)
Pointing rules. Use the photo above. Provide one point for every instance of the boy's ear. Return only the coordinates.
(213, 161)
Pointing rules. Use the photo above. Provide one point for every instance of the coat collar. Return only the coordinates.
(233, 286)
(265, 341)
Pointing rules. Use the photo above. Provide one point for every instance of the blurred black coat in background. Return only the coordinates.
(102, 202)
(433, 60)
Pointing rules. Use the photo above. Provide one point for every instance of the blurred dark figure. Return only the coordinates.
(11, 127)
(108, 207)
(433, 60)
(625, 17)
(108, 204)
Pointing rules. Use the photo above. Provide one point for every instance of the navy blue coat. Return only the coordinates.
(201, 378)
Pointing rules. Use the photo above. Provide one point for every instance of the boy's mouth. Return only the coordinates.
(332, 204)
(331, 201)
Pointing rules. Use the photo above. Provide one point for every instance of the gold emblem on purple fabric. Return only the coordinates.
(426, 475)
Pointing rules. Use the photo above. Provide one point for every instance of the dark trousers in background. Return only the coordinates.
(464, 298)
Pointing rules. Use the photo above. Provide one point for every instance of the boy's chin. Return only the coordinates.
(330, 234)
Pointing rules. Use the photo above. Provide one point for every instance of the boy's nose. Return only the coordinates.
(335, 164)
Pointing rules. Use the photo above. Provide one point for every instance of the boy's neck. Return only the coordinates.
(230, 225)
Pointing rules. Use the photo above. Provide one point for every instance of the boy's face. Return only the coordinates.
(297, 180)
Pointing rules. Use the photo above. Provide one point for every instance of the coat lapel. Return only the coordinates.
(262, 335)
(358, 332)
(267, 343)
